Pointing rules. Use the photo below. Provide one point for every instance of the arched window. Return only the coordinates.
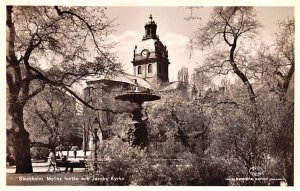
(150, 68)
(139, 69)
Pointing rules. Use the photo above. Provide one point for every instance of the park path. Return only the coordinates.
(43, 167)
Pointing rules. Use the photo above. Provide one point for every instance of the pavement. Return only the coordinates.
(40, 166)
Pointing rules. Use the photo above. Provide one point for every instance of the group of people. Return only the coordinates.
(59, 153)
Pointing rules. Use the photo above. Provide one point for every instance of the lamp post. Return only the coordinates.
(57, 147)
(84, 141)
(96, 126)
(266, 158)
(58, 140)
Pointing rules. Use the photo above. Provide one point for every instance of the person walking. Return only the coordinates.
(51, 160)
(74, 149)
(59, 150)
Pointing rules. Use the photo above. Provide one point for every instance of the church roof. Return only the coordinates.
(148, 44)
(122, 77)
(172, 86)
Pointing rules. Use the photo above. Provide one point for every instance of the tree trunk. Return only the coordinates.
(240, 74)
(19, 137)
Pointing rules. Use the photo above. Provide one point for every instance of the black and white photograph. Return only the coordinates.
(150, 94)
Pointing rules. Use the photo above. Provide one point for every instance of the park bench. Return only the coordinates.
(70, 164)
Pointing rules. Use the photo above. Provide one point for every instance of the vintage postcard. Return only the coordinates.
(157, 94)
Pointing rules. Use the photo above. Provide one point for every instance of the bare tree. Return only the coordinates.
(51, 112)
(50, 45)
(201, 80)
(227, 26)
(251, 131)
(278, 75)
(183, 75)
(276, 63)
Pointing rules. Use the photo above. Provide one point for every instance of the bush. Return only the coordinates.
(116, 164)
(132, 166)
(39, 153)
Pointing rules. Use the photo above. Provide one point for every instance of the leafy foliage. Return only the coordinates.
(57, 46)
(48, 116)
(136, 167)
(243, 131)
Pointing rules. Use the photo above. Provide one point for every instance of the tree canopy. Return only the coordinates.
(50, 45)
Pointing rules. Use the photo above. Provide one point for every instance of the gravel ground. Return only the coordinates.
(41, 176)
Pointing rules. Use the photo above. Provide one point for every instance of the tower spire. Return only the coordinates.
(150, 56)
(150, 29)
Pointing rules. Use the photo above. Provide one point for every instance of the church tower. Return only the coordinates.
(150, 58)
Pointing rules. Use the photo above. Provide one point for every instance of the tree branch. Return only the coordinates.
(90, 28)
(34, 93)
(288, 78)
(224, 35)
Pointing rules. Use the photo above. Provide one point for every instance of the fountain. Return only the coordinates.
(138, 135)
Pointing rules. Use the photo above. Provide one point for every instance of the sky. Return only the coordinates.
(175, 31)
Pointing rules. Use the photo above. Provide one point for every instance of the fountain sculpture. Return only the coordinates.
(138, 135)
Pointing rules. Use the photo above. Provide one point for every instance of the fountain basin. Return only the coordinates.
(137, 97)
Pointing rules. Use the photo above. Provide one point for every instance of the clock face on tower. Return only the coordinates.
(145, 53)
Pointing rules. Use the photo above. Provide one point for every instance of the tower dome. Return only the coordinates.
(150, 59)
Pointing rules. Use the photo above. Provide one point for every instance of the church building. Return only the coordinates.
(150, 58)
(150, 71)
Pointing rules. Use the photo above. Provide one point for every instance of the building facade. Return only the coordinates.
(150, 58)
(150, 68)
